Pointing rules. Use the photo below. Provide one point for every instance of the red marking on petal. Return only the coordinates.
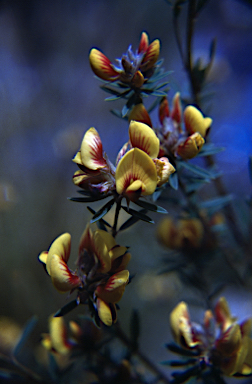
(144, 43)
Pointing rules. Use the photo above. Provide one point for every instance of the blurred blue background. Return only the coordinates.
(49, 98)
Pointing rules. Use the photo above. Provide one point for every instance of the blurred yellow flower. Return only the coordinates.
(220, 341)
(180, 234)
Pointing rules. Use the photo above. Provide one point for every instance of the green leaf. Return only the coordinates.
(216, 203)
(138, 215)
(103, 211)
(179, 363)
(102, 223)
(67, 308)
(88, 199)
(118, 113)
(210, 149)
(25, 335)
(181, 351)
(150, 207)
(131, 221)
(181, 377)
(173, 180)
(195, 185)
(206, 174)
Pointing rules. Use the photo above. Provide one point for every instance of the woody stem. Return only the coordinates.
(118, 207)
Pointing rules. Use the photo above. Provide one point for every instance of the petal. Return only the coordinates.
(86, 240)
(62, 278)
(120, 263)
(144, 138)
(77, 158)
(167, 232)
(190, 147)
(92, 151)
(144, 43)
(151, 55)
(223, 315)
(230, 341)
(137, 80)
(176, 113)
(107, 238)
(163, 111)
(195, 121)
(104, 312)
(117, 251)
(102, 66)
(113, 290)
(122, 152)
(58, 335)
(164, 170)
(101, 252)
(60, 247)
(246, 327)
(136, 165)
(248, 358)
(181, 327)
(191, 231)
(43, 257)
(139, 113)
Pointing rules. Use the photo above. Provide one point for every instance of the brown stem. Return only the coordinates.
(118, 207)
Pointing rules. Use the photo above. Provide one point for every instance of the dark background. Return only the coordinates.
(49, 98)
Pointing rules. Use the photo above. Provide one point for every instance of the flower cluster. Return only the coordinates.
(175, 140)
(181, 234)
(101, 276)
(133, 69)
(138, 171)
(220, 342)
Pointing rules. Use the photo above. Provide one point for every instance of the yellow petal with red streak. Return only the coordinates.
(136, 167)
(144, 43)
(62, 278)
(151, 56)
(60, 247)
(139, 113)
(113, 290)
(144, 138)
(102, 66)
(92, 151)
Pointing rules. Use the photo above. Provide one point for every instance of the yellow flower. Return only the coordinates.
(95, 174)
(175, 141)
(101, 278)
(90, 154)
(164, 170)
(195, 121)
(102, 66)
(181, 234)
(134, 68)
(136, 175)
(220, 341)
(181, 326)
(56, 340)
(55, 260)
(190, 147)
(143, 137)
(233, 347)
